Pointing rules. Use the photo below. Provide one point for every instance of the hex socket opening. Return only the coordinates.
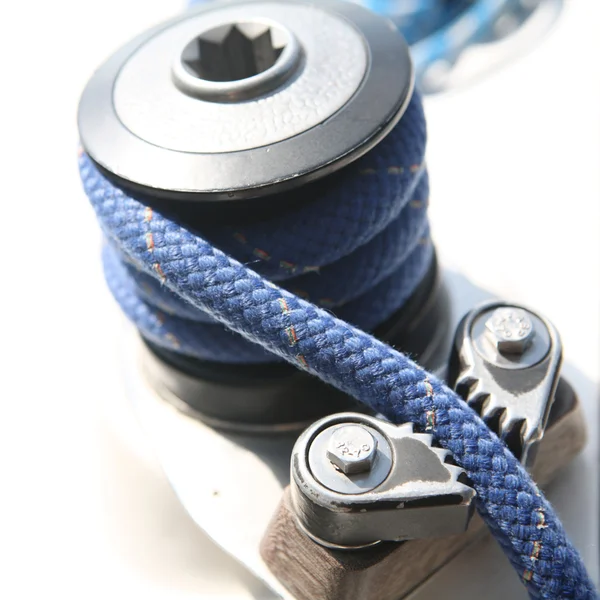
(237, 61)
(234, 51)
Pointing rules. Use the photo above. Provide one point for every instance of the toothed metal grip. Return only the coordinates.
(406, 491)
(505, 363)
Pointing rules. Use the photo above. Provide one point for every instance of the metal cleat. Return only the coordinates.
(398, 486)
(505, 364)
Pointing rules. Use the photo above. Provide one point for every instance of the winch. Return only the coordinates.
(258, 171)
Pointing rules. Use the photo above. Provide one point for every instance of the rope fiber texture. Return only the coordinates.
(359, 246)
(192, 272)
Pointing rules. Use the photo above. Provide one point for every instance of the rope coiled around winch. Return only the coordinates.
(193, 273)
(359, 247)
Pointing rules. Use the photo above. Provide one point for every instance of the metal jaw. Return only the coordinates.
(505, 364)
(406, 491)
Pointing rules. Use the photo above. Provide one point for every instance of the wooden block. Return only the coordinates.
(390, 571)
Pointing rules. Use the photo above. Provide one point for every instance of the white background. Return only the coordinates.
(84, 511)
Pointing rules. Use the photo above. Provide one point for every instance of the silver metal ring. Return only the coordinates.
(337, 83)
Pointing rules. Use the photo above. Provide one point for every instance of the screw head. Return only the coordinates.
(510, 330)
(352, 449)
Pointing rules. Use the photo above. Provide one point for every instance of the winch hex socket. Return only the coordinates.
(510, 330)
(232, 109)
(234, 51)
(352, 449)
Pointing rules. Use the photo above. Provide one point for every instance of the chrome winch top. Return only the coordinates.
(246, 98)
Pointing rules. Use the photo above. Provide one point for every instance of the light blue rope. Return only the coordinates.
(441, 30)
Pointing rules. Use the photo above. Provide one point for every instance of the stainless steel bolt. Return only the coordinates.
(352, 449)
(510, 330)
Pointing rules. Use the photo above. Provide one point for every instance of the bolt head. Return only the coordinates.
(510, 330)
(352, 449)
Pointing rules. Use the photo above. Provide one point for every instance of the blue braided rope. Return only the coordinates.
(179, 289)
(359, 247)
(193, 269)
